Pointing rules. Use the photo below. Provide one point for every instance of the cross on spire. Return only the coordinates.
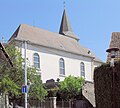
(64, 3)
(65, 27)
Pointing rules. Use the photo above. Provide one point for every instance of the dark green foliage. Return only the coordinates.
(53, 92)
(37, 90)
(103, 85)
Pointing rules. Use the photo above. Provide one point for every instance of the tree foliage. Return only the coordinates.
(12, 78)
(71, 87)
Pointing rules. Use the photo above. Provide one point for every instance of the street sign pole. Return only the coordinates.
(24, 88)
(25, 73)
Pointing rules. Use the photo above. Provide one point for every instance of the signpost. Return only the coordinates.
(24, 89)
(25, 75)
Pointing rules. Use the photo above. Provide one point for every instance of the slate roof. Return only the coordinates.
(65, 27)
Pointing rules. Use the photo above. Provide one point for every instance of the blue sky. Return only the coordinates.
(92, 20)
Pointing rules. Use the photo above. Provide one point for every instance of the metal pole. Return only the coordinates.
(25, 74)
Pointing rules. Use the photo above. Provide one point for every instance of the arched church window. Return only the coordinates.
(82, 69)
(36, 60)
(62, 66)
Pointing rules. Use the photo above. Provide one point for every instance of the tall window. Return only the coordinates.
(82, 68)
(62, 66)
(36, 60)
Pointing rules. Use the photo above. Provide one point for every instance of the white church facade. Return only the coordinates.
(56, 55)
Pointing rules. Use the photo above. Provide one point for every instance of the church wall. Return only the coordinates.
(49, 62)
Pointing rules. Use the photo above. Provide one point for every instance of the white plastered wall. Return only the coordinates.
(49, 62)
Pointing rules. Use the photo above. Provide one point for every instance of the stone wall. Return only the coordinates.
(103, 85)
(88, 92)
(4, 102)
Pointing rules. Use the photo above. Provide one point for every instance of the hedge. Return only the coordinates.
(103, 85)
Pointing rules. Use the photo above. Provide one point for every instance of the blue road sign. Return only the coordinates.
(24, 89)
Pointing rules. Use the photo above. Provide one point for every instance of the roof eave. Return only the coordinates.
(89, 56)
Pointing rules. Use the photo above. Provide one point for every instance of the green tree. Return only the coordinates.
(12, 78)
(70, 88)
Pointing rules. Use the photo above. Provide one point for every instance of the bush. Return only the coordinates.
(70, 88)
(103, 85)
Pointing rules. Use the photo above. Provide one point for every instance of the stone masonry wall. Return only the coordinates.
(88, 92)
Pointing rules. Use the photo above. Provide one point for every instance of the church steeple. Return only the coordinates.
(65, 24)
(65, 27)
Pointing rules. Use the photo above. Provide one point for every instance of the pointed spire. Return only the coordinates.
(65, 24)
(65, 27)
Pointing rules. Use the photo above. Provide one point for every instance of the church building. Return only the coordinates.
(56, 55)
